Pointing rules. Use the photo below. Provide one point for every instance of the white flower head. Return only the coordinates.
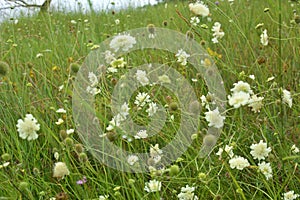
(229, 150)
(217, 32)
(60, 170)
(59, 121)
(194, 21)
(214, 118)
(109, 56)
(153, 186)
(132, 159)
(118, 63)
(255, 103)
(241, 86)
(260, 151)
(61, 110)
(182, 57)
(290, 195)
(238, 99)
(286, 97)
(93, 90)
(238, 162)
(103, 197)
(187, 193)
(199, 8)
(266, 169)
(141, 76)
(264, 38)
(28, 127)
(152, 109)
(141, 99)
(295, 149)
(124, 110)
(122, 42)
(93, 79)
(70, 131)
(142, 134)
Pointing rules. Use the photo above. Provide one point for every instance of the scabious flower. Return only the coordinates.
(218, 33)
(142, 134)
(109, 56)
(93, 79)
(238, 162)
(199, 8)
(70, 131)
(260, 151)
(60, 170)
(286, 97)
(115, 122)
(182, 57)
(141, 76)
(187, 193)
(264, 38)
(238, 99)
(266, 169)
(153, 186)
(152, 109)
(28, 127)
(124, 111)
(122, 42)
(241, 86)
(255, 103)
(93, 90)
(194, 21)
(214, 118)
(132, 159)
(290, 195)
(156, 153)
(141, 99)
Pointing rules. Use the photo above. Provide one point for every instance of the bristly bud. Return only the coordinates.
(173, 106)
(112, 136)
(23, 186)
(63, 134)
(3, 68)
(151, 28)
(165, 23)
(209, 140)
(61, 196)
(297, 19)
(174, 170)
(74, 67)
(69, 142)
(78, 148)
(189, 35)
(83, 157)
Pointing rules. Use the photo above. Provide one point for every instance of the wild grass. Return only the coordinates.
(40, 49)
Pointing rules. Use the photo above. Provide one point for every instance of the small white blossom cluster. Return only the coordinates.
(199, 8)
(122, 42)
(155, 153)
(287, 98)
(142, 99)
(93, 80)
(194, 21)
(264, 39)
(217, 32)
(119, 118)
(153, 186)
(132, 159)
(182, 57)
(187, 193)
(141, 77)
(243, 95)
(290, 195)
(28, 127)
(261, 151)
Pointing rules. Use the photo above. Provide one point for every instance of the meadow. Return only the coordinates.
(253, 143)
